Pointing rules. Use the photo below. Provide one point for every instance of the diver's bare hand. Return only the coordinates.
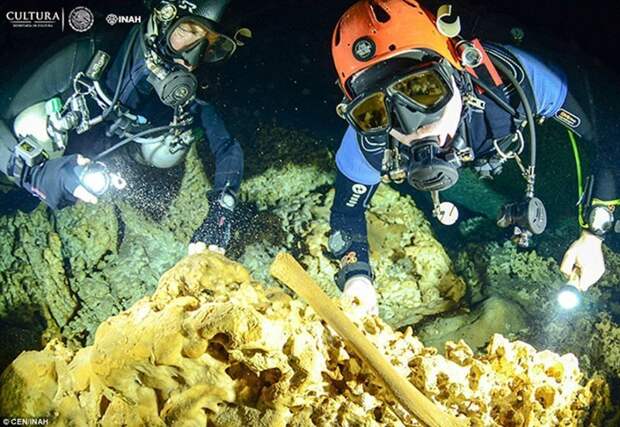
(360, 292)
(585, 258)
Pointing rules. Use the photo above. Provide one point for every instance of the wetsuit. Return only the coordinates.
(359, 159)
(54, 78)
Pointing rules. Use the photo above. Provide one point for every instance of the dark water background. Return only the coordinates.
(285, 76)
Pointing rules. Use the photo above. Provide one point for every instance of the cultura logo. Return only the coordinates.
(114, 19)
(35, 18)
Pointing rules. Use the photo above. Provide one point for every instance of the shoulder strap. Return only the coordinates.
(486, 70)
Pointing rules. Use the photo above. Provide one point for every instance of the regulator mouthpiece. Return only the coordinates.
(569, 297)
(428, 171)
(175, 88)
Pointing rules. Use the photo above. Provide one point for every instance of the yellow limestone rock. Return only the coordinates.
(213, 347)
(413, 274)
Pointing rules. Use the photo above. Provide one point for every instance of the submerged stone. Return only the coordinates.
(212, 347)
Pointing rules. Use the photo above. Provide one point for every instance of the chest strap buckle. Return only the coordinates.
(474, 102)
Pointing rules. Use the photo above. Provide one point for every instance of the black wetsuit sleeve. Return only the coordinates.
(226, 150)
(348, 217)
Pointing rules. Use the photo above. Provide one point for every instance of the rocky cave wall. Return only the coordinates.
(213, 347)
(63, 274)
(72, 269)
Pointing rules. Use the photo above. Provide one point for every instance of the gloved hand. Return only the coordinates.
(56, 183)
(585, 258)
(214, 233)
(359, 291)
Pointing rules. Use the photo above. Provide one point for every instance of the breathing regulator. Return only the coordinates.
(527, 217)
(43, 129)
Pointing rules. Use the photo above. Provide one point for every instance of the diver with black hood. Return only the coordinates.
(144, 99)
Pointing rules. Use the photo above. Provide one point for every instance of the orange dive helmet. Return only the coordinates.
(372, 31)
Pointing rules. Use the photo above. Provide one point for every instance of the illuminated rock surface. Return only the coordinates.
(413, 273)
(62, 274)
(213, 346)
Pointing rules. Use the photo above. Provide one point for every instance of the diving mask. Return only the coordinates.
(203, 44)
(415, 98)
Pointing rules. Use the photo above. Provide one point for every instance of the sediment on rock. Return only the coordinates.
(211, 345)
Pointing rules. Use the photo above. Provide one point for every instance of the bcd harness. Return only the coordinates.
(74, 114)
(527, 216)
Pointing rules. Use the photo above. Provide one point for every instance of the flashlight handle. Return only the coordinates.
(574, 278)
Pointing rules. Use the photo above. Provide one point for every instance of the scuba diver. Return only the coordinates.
(421, 103)
(143, 100)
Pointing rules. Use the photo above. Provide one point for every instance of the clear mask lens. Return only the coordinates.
(193, 38)
(370, 114)
(220, 47)
(426, 89)
(187, 34)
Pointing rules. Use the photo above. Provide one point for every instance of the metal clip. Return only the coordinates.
(466, 154)
(445, 212)
(474, 102)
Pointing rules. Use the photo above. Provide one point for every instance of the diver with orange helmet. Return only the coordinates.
(421, 103)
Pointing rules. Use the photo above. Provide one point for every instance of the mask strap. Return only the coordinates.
(402, 138)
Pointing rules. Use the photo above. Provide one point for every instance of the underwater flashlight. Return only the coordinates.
(97, 179)
(569, 297)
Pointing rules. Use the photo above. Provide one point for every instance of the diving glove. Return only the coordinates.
(214, 233)
(55, 181)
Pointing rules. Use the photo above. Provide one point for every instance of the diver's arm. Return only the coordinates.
(584, 262)
(349, 236)
(226, 150)
(216, 229)
(51, 79)
(356, 182)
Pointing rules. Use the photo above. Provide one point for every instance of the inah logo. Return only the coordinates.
(114, 19)
(111, 19)
(81, 19)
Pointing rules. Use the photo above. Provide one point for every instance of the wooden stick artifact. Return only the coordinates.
(286, 269)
